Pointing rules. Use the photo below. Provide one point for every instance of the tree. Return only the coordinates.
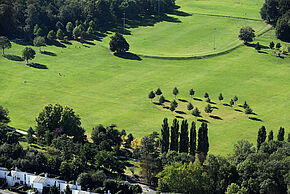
(235, 189)
(175, 92)
(54, 189)
(4, 118)
(59, 34)
(236, 99)
(278, 46)
(191, 92)
(272, 45)
(165, 136)
(151, 95)
(129, 139)
(189, 106)
(281, 133)
(283, 27)
(196, 112)
(270, 135)
(183, 178)
(246, 34)
(77, 31)
(174, 105)
(203, 145)
(208, 100)
(261, 136)
(69, 28)
(174, 135)
(4, 43)
(118, 44)
(28, 54)
(208, 109)
(58, 120)
(184, 141)
(245, 105)
(39, 41)
(59, 25)
(51, 35)
(30, 134)
(288, 140)
(192, 141)
(206, 95)
(39, 32)
(158, 92)
(248, 110)
(161, 100)
(258, 47)
(67, 190)
(65, 170)
(221, 97)
(232, 102)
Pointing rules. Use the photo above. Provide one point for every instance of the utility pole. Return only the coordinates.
(214, 38)
(124, 22)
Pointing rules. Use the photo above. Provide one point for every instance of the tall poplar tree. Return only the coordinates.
(281, 133)
(203, 144)
(270, 136)
(165, 136)
(192, 143)
(261, 136)
(183, 142)
(174, 135)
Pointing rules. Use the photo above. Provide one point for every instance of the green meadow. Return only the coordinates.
(105, 89)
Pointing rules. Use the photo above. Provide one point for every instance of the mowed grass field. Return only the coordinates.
(104, 89)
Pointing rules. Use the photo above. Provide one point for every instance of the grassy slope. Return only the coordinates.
(106, 89)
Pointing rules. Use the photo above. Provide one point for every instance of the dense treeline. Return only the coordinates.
(277, 13)
(19, 17)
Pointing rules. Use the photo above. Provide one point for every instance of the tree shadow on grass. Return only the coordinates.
(238, 110)
(23, 42)
(197, 99)
(56, 43)
(215, 117)
(48, 53)
(165, 107)
(180, 112)
(13, 58)
(157, 103)
(225, 104)
(166, 100)
(256, 119)
(214, 107)
(203, 120)
(37, 66)
(179, 117)
(182, 100)
(212, 102)
(254, 45)
(128, 55)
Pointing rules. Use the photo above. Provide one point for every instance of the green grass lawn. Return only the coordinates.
(104, 89)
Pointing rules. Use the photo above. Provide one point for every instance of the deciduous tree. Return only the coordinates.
(28, 54)
(4, 43)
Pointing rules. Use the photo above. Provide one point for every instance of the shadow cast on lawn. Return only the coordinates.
(197, 99)
(179, 117)
(180, 112)
(157, 103)
(256, 119)
(37, 66)
(128, 55)
(238, 110)
(215, 117)
(48, 53)
(13, 58)
(182, 100)
(203, 120)
(166, 107)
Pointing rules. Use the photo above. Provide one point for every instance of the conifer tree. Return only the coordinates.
(183, 142)
(221, 97)
(165, 136)
(232, 102)
(174, 135)
(261, 136)
(191, 92)
(203, 144)
(161, 100)
(270, 136)
(151, 95)
(158, 92)
(206, 95)
(189, 106)
(245, 105)
(281, 133)
(175, 92)
(196, 112)
(192, 143)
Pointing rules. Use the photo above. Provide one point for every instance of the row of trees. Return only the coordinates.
(277, 13)
(20, 17)
(262, 135)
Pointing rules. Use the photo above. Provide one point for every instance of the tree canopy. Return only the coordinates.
(118, 43)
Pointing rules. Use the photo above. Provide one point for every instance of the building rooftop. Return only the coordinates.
(39, 179)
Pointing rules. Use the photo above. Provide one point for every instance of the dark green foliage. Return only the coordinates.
(208, 109)
(151, 95)
(189, 106)
(283, 27)
(4, 43)
(164, 136)
(262, 134)
(69, 28)
(51, 35)
(272, 45)
(203, 144)
(246, 34)
(248, 110)
(129, 139)
(161, 100)
(59, 34)
(67, 190)
(174, 103)
(54, 189)
(108, 138)
(39, 41)
(91, 180)
(221, 97)
(196, 112)
(281, 133)
(28, 54)
(77, 31)
(208, 100)
(56, 120)
(30, 134)
(59, 25)
(184, 141)
(236, 99)
(288, 140)
(118, 44)
(278, 46)
(174, 135)
(245, 105)
(257, 46)
(206, 95)
(270, 136)
(192, 141)
(4, 118)
(175, 92)
(158, 92)
(191, 92)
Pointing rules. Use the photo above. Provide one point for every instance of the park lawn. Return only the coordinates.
(104, 89)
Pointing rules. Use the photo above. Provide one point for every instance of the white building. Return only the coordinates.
(37, 183)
